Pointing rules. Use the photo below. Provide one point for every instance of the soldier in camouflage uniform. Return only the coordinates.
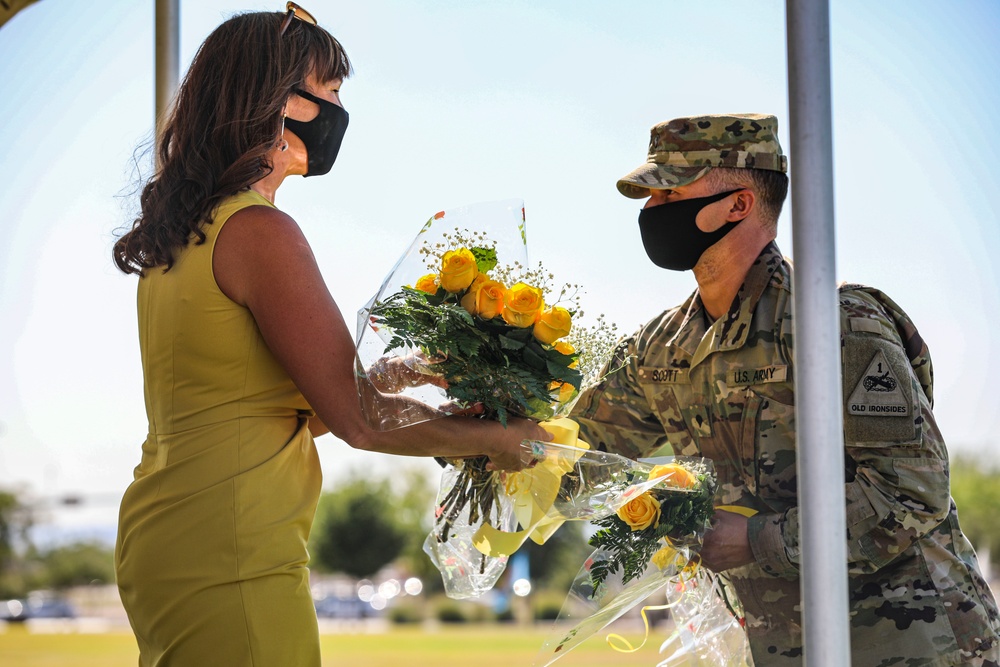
(714, 377)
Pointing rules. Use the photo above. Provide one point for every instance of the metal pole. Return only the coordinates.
(167, 19)
(818, 393)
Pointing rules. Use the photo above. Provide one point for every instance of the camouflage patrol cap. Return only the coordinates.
(683, 150)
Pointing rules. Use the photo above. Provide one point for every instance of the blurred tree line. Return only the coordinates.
(366, 523)
(25, 567)
(975, 488)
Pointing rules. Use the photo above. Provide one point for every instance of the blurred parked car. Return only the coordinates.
(13, 611)
(37, 605)
(346, 608)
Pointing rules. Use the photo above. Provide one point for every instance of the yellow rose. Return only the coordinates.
(674, 475)
(640, 513)
(485, 297)
(566, 348)
(428, 283)
(522, 305)
(490, 299)
(565, 391)
(469, 300)
(458, 270)
(664, 557)
(553, 323)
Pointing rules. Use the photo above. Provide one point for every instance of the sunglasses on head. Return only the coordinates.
(295, 12)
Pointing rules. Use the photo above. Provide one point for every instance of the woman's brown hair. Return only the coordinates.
(226, 118)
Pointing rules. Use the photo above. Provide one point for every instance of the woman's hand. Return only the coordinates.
(508, 453)
(391, 375)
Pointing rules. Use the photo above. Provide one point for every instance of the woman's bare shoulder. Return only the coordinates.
(257, 242)
(253, 222)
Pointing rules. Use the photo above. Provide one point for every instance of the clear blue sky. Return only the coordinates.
(455, 102)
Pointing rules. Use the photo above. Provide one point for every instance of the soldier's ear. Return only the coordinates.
(743, 203)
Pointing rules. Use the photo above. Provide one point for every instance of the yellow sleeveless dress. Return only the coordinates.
(211, 555)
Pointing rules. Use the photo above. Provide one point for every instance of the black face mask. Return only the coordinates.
(671, 236)
(322, 135)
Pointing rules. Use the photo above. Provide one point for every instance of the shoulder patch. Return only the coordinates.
(881, 405)
(878, 393)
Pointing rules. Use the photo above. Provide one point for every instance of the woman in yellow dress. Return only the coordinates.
(245, 358)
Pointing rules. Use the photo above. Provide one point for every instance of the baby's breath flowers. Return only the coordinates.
(596, 344)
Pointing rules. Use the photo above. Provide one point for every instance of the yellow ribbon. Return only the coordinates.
(736, 509)
(686, 571)
(533, 492)
(612, 638)
(664, 558)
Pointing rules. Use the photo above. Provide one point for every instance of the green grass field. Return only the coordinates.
(475, 646)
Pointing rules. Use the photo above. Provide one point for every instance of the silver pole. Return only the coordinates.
(818, 394)
(167, 19)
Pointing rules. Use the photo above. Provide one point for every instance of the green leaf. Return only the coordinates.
(509, 343)
(499, 327)
(570, 375)
(486, 258)
(558, 357)
(469, 346)
(533, 358)
(539, 409)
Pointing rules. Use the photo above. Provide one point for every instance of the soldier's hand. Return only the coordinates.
(726, 542)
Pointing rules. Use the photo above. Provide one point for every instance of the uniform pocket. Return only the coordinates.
(666, 390)
(768, 437)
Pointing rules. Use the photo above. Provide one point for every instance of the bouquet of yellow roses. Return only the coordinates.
(494, 345)
(649, 544)
(653, 526)
(461, 321)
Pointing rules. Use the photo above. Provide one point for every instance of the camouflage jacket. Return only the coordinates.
(725, 390)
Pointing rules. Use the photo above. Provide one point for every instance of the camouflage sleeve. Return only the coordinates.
(614, 415)
(897, 486)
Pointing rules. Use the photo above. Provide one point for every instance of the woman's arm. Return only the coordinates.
(263, 261)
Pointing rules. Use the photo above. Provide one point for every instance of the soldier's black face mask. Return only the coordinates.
(670, 232)
(322, 135)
